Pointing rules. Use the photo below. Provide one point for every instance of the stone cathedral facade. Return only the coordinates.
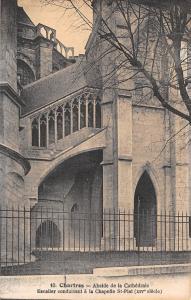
(67, 140)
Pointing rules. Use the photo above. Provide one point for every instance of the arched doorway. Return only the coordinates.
(145, 212)
(75, 186)
(47, 235)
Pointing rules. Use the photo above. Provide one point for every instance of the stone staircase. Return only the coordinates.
(62, 145)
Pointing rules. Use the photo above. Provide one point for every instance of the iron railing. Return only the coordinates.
(25, 234)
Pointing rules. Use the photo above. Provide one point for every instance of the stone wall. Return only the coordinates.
(8, 67)
(148, 140)
(9, 123)
(38, 51)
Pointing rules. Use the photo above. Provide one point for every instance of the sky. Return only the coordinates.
(68, 26)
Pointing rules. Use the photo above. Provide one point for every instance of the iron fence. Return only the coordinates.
(30, 234)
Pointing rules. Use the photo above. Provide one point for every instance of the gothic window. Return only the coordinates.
(67, 119)
(90, 112)
(43, 131)
(75, 115)
(83, 113)
(25, 74)
(35, 132)
(98, 114)
(51, 127)
(59, 123)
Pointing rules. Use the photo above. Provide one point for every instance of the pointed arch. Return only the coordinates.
(98, 114)
(82, 112)
(59, 116)
(75, 110)
(153, 176)
(35, 133)
(43, 126)
(51, 127)
(90, 111)
(67, 118)
(145, 211)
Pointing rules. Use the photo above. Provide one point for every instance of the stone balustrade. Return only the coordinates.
(50, 34)
(31, 32)
(66, 51)
(46, 31)
(55, 123)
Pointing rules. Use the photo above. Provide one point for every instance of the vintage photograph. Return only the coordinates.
(95, 149)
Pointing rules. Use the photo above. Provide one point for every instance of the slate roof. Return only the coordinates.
(58, 85)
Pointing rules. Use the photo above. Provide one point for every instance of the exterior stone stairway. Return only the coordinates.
(64, 144)
(72, 140)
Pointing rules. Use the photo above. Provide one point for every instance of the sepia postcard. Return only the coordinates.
(95, 149)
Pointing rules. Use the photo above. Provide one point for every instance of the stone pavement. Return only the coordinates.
(94, 286)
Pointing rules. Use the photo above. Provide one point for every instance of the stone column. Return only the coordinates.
(79, 113)
(71, 117)
(180, 183)
(123, 162)
(124, 133)
(167, 204)
(55, 127)
(47, 129)
(44, 57)
(108, 171)
(182, 167)
(63, 121)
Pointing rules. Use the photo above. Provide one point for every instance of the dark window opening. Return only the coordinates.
(35, 132)
(98, 115)
(47, 235)
(67, 118)
(90, 114)
(43, 131)
(59, 123)
(145, 212)
(83, 114)
(75, 115)
(51, 124)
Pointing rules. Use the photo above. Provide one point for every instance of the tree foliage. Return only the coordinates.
(150, 42)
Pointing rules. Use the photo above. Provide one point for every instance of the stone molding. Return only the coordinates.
(16, 156)
(123, 93)
(52, 105)
(6, 89)
(106, 162)
(167, 166)
(106, 102)
(125, 158)
(148, 106)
